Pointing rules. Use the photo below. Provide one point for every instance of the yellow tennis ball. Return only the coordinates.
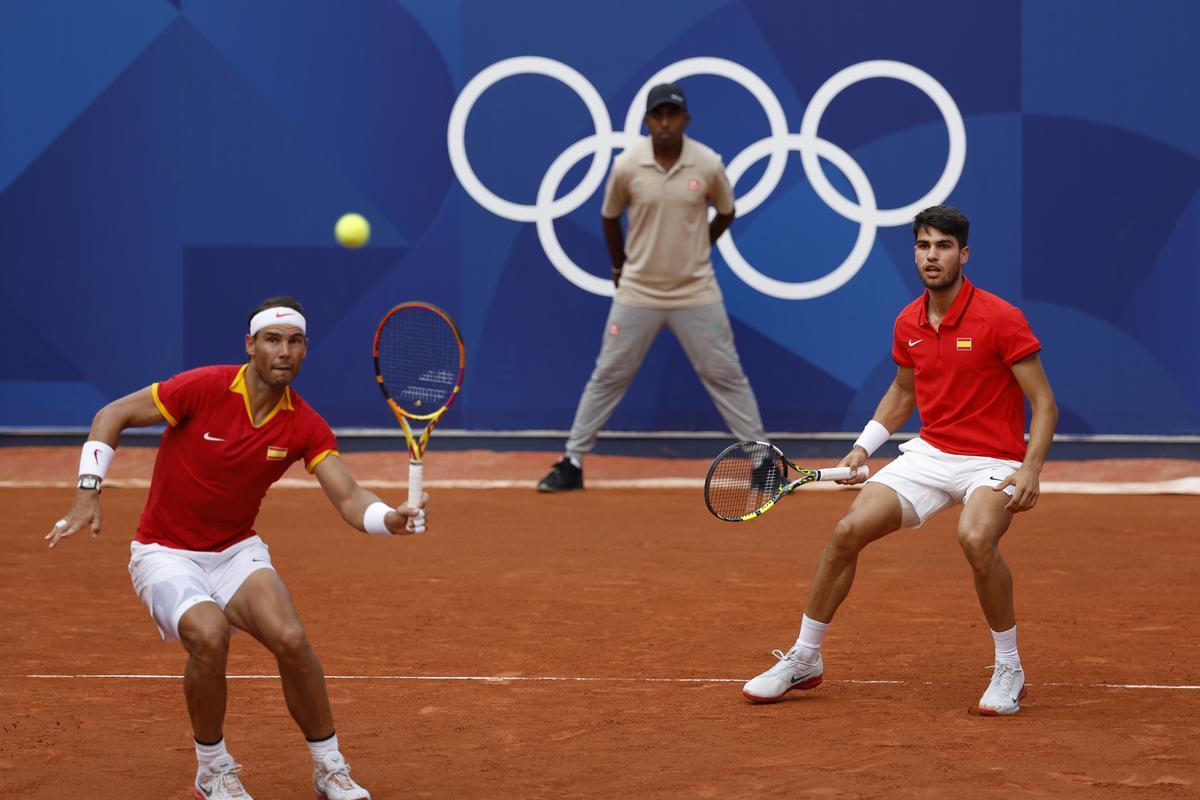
(352, 230)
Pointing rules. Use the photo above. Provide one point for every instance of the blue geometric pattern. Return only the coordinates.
(166, 164)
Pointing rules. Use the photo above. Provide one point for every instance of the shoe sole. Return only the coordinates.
(549, 490)
(811, 683)
(984, 711)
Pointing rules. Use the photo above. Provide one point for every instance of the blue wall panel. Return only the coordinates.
(165, 165)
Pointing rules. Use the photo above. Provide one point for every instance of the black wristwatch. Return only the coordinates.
(90, 482)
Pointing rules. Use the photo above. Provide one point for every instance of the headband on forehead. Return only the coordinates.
(279, 315)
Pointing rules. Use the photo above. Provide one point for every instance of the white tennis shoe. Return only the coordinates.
(1005, 693)
(332, 781)
(788, 673)
(219, 781)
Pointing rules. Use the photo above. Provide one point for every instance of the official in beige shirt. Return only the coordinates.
(663, 275)
(667, 250)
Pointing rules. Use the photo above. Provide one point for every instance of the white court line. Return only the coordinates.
(567, 679)
(1189, 485)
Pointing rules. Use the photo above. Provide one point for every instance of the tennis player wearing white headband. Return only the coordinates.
(197, 562)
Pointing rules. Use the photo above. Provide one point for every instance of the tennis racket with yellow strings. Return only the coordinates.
(419, 363)
(748, 478)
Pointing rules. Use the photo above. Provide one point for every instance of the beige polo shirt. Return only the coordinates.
(668, 256)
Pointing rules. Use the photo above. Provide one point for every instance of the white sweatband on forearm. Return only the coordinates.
(95, 458)
(873, 435)
(373, 519)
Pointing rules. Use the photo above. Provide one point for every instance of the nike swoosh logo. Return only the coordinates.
(207, 792)
(282, 314)
(209, 437)
(96, 455)
(914, 342)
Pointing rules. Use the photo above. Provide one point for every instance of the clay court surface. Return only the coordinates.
(593, 645)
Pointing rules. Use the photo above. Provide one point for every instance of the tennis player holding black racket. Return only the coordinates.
(968, 361)
(197, 562)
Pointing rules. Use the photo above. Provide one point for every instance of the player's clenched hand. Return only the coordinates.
(854, 459)
(84, 513)
(407, 517)
(1027, 489)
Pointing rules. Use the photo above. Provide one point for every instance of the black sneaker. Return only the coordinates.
(564, 477)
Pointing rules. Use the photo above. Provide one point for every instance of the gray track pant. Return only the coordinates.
(707, 339)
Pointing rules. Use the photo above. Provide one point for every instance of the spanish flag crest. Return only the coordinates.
(276, 453)
(963, 343)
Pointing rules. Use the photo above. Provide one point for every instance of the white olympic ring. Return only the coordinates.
(546, 209)
(806, 290)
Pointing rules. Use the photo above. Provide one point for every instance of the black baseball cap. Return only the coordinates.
(665, 93)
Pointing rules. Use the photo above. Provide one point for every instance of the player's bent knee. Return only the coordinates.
(289, 642)
(206, 638)
(848, 538)
(978, 547)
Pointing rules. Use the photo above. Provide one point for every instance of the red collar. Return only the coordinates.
(957, 308)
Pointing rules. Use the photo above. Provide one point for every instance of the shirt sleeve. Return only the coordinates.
(720, 193)
(616, 193)
(1014, 337)
(900, 353)
(321, 442)
(179, 396)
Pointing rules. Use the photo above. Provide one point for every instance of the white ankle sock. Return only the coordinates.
(208, 753)
(812, 633)
(575, 460)
(1006, 647)
(320, 749)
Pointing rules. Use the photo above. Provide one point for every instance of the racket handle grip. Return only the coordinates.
(416, 483)
(841, 473)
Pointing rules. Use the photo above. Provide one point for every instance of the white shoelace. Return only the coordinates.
(340, 776)
(789, 660)
(1003, 677)
(230, 782)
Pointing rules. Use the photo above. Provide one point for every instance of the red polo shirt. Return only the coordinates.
(969, 401)
(214, 466)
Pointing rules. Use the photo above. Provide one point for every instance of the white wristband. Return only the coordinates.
(373, 519)
(873, 435)
(95, 458)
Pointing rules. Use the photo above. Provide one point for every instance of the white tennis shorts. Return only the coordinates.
(170, 581)
(929, 480)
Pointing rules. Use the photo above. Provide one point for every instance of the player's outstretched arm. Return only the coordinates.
(893, 411)
(362, 509)
(135, 410)
(1031, 377)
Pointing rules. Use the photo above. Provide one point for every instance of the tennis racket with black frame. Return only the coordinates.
(748, 478)
(419, 363)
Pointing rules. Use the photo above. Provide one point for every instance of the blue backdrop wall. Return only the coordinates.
(166, 165)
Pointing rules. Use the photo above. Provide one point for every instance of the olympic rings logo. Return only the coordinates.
(600, 145)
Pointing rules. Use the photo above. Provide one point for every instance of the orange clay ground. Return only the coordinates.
(662, 608)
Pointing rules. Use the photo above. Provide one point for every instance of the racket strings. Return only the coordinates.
(419, 359)
(744, 480)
